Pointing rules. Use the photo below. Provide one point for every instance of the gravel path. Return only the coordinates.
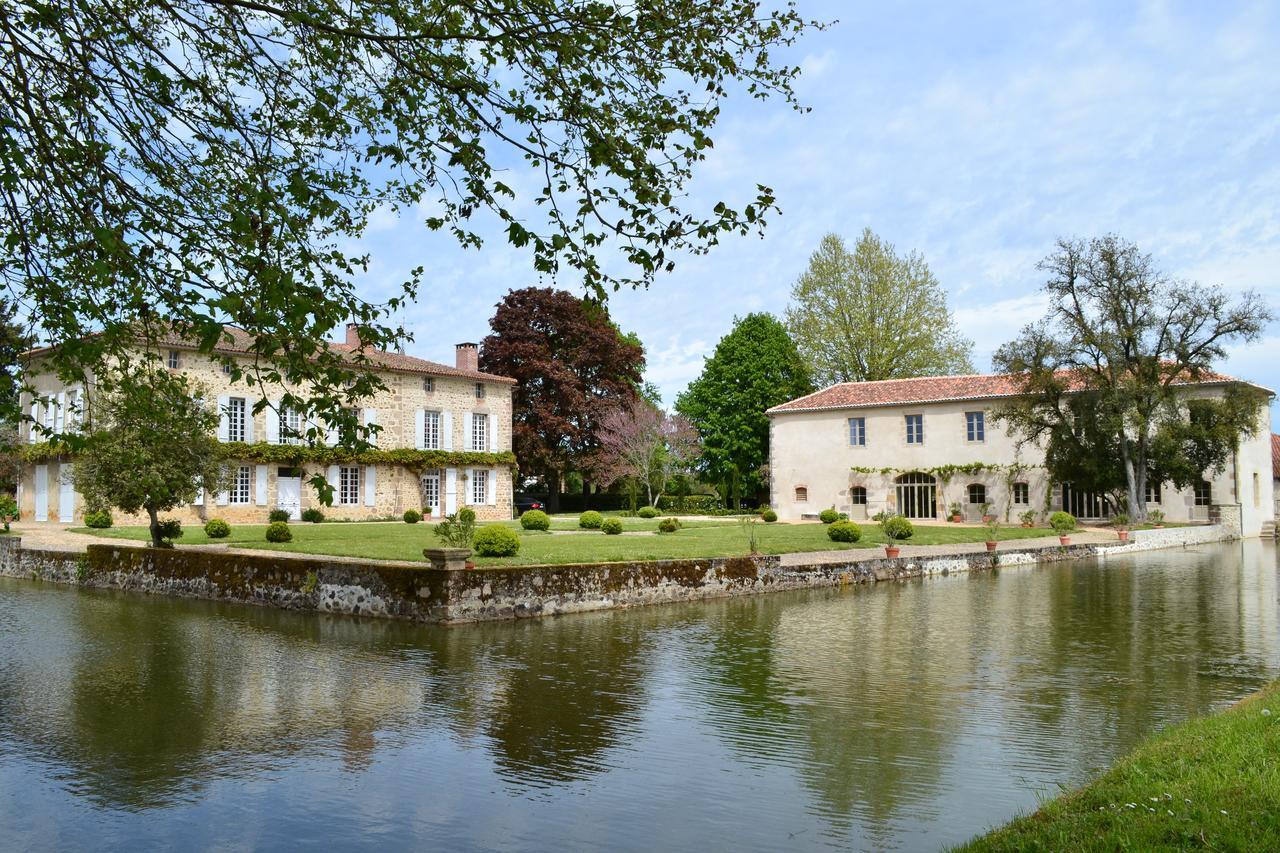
(1080, 537)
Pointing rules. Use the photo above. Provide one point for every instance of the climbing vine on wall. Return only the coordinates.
(293, 454)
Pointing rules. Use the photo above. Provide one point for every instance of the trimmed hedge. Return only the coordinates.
(591, 520)
(535, 519)
(412, 516)
(312, 516)
(99, 520)
(496, 540)
(669, 525)
(216, 528)
(769, 516)
(278, 515)
(278, 531)
(844, 531)
(647, 512)
(170, 529)
(1062, 522)
(896, 527)
(612, 526)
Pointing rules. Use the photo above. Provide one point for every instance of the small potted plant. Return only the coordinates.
(956, 512)
(1063, 523)
(8, 510)
(1120, 521)
(895, 529)
(1156, 517)
(1028, 518)
(986, 513)
(993, 529)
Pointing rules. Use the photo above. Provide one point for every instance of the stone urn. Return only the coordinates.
(1064, 540)
(1123, 534)
(892, 551)
(449, 559)
(991, 546)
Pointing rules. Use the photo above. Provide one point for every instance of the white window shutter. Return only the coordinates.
(491, 493)
(224, 402)
(419, 429)
(331, 436)
(33, 436)
(370, 485)
(248, 423)
(60, 413)
(332, 476)
(450, 491)
(313, 424)
(371, 420)
(272, 414)
(261, 485)
(493, 434)
(447, 429)
(223, 498)
(469, 441)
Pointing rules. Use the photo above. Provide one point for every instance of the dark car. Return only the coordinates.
(527, 502)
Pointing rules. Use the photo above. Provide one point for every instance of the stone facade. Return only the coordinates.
(815, 463)
(413, 387)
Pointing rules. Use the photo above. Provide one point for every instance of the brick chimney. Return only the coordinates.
(468, 357)
(353, 334)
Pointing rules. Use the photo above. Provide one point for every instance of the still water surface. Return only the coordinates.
(902, 716)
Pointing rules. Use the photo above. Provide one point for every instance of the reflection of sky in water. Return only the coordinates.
(905, 715)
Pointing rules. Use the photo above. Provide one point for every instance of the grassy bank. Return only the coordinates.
(698, 539)
(1211, 783)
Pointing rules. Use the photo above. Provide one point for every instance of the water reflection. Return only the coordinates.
(907, 715)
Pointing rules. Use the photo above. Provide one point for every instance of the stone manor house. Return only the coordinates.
(919, 446)
(458, 411)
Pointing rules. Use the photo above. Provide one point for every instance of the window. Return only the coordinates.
(290, 426)
(72, 419)
(977, 493)
(1257, 490)
(226, 368)
(1021, 493)
(479, 432)
(802, 494)
(858, 432)
(479, 486)
(479, 390)
(235, 419)
(915, 429)
(431, 491)
(349, 485)
(173, 359)
(1153, 493)
(240, 488)
(975, 426)
(431, 430)
(429, 384)
(1204, 493)
(858, 495)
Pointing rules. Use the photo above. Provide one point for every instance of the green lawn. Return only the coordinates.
(1209, 784)
(718, 538)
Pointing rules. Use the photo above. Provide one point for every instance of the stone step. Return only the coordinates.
(1269, 530)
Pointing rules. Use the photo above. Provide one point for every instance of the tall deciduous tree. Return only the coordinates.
(646, 445)
(873, 314)
(1106, 372)
(572, 368)
(190, 163)
(14, 339)
(150, 446)
(754, 367)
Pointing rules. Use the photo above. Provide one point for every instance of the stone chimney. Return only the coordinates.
(353, 334)
(468, 357)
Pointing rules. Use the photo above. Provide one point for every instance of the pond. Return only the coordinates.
(906, 715)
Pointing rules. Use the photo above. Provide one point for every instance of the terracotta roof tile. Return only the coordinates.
(921, 389)
(1275, 456)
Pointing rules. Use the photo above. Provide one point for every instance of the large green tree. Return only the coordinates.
(149, 447)
(1108, 374)
(873, 314)
(572, 367)
(754, 367)
(14, 339)
(178, 165)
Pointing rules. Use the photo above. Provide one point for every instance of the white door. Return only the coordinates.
(431, 493)
(42, 492)
(289, 495)
(66, 494)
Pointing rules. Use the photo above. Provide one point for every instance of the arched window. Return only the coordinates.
(858, 495)
(977, 493)
(917, 495)
(802, 494)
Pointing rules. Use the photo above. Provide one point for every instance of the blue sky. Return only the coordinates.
(975, 135)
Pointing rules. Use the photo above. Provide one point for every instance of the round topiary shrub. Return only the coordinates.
(647, 512)
(278, 515)
(668, 525)
(611, 526)
(844, 531)
(467, 515)
(591, 520)
(896, 527)
(1062, 522)
(170, 529)
(98, 520)
(278, 531)
(535, 519)
(829, 516)
(312, 516)
(412, 516)
(769, 516)
(216, 528)
(496, 540)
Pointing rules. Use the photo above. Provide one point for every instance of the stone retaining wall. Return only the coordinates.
(423, 594)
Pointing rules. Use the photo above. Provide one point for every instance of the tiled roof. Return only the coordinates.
(237, 340)
(1275, 456)
(922, 389)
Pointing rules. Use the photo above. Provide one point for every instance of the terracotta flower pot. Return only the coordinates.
(956, 518)
(986, 519)
(891, 551)
(1159, 527)
(470, 565)
(1026, 525)
(1064, 540)
(1123, 534)
(991, 546)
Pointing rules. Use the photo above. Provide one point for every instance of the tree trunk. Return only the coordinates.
(156, 541)
(552, 479)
